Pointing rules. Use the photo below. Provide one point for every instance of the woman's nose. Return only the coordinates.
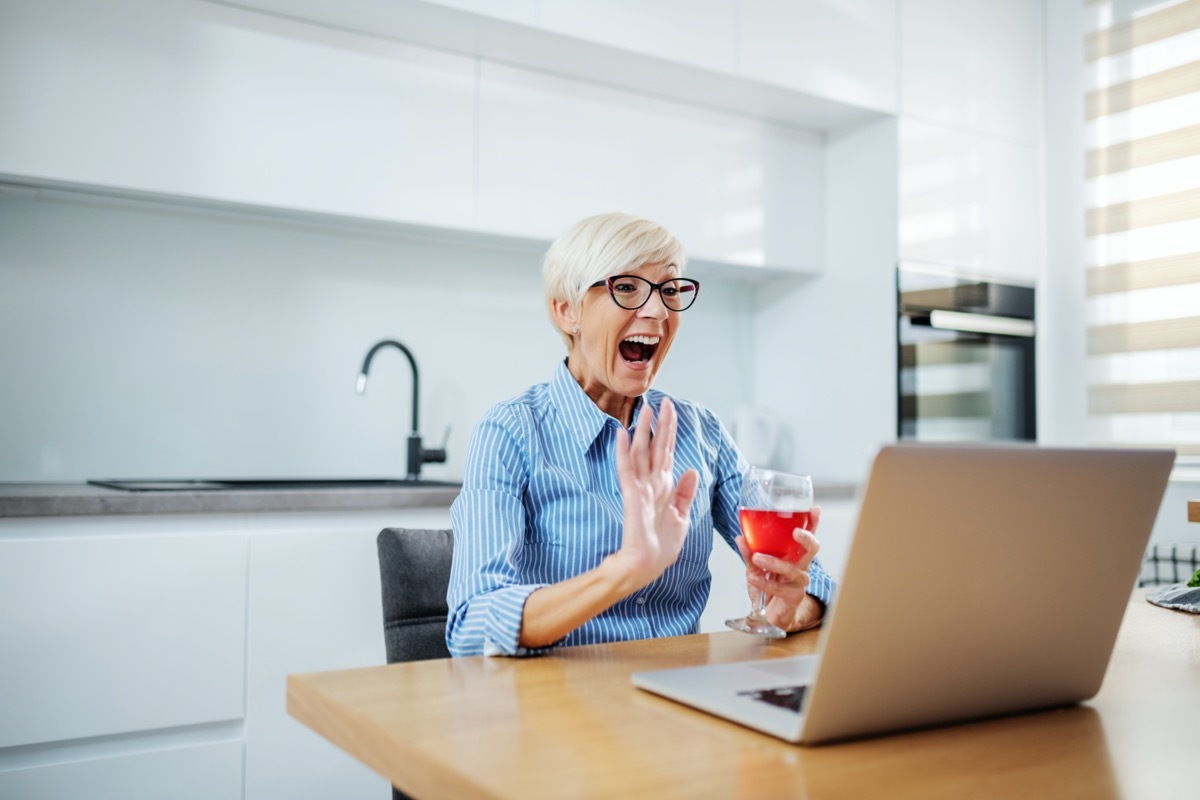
(654, 308)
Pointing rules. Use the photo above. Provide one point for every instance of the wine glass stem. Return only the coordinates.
(761, 610)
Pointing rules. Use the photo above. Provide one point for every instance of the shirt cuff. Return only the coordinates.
(820, 585)
(502, 632)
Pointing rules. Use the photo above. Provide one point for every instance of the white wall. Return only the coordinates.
(148, 341)
(1062, 336)
(825, 354)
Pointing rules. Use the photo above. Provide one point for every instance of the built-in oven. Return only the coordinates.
(966, 358)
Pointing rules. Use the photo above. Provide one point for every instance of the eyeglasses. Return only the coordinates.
(631, 292)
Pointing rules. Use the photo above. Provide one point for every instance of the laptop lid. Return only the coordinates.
(982, 580)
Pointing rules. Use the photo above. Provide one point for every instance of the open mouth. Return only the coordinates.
(639, 349)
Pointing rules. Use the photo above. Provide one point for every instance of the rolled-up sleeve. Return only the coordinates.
(486, 598)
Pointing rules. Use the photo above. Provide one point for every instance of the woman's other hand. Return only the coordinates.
(657, 510)
(789, 605)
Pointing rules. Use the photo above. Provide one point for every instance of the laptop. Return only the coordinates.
(981, 581)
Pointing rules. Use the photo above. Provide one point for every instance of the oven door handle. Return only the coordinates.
(981, 323)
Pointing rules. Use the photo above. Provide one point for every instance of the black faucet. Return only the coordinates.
(417, 455)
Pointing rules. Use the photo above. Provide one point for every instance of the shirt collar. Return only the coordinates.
(582, 418)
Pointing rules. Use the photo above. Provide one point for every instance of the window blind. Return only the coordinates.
(1143, 222)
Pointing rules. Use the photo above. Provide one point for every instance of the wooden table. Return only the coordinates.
(571, 725)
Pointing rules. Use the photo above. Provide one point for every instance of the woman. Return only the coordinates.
(570, 529)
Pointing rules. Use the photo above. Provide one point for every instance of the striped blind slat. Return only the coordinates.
(1155, 26)
(1173, 82)
(1144, 152)
(1143, 341)
(1128, 276)
(1182, 397)
(1131, 337)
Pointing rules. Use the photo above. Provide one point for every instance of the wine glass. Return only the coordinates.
(771, 506)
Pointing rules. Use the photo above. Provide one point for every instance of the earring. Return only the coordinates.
(576, 329)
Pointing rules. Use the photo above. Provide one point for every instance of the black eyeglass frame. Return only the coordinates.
(608, 282)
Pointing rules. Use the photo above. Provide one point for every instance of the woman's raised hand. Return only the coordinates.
(657, 510)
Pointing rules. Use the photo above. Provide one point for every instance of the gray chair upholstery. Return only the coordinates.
(414, 571)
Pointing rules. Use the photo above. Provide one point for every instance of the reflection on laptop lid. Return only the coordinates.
(982, 580)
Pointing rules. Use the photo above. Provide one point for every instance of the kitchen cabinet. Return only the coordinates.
(737, 191)
(971, 99)
(844, 50)
(314, 605)
(973, 66)
(700, 33)
(416, 115)
(146, 655)
(969, 202)
(524, 12)
(197, 772)
(214, 104)
(114, 629)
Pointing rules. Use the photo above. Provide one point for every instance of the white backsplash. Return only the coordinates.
(139, 341)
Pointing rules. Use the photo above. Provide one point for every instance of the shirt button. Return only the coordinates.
(641, 601)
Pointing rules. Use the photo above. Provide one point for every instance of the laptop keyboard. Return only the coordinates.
(788, 697)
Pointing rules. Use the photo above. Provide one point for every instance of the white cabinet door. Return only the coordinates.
(843, 50)
(695, 32)
(198, 772)
(524, 12)
(553, 151)
(207, 101)
(130, 631)
(727, 597)
(315, 605)
(969, 202)
(974, 65)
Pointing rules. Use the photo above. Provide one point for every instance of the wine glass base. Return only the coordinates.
(757, 627)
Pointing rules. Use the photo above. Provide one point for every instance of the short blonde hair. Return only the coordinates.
(599, 247)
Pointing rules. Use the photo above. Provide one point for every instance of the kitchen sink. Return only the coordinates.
(268, 484)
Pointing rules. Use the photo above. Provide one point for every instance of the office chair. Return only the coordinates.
(414, 571)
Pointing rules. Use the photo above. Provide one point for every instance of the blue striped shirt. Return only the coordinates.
(541, 503)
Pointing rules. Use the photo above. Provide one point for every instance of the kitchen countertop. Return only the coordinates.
(78, 499)
(75, 499)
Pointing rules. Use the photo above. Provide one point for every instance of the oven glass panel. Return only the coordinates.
(962, 387)
(958, 385)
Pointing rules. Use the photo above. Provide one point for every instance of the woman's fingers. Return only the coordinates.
(685, 492)
(810, 546)
(787, 582)
(664, 438)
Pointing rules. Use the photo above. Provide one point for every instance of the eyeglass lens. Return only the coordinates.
(632, 292)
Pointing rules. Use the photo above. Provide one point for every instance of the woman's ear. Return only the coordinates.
(564, 317)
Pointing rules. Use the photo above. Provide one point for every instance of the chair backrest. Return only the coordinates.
(1169, 563)
(414, 572)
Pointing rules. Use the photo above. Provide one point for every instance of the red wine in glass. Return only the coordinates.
(772, 505)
